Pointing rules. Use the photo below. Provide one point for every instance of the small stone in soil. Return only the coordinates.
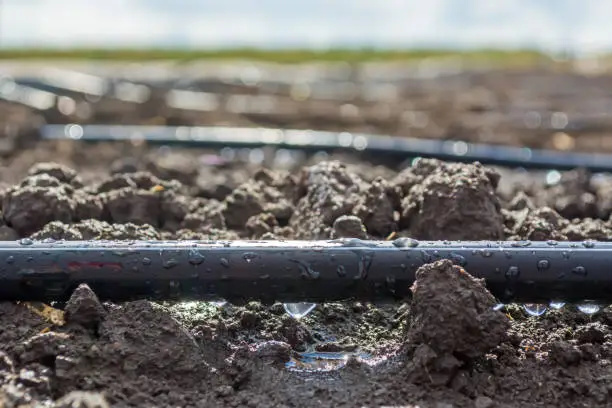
(273, 352)
(84, 307)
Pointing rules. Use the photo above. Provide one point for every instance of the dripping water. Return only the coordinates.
(299, 310)
(556, 305)
(535, 309)
(588, 308)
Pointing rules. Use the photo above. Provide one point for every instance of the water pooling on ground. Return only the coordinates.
(310, 360)
(316, 361)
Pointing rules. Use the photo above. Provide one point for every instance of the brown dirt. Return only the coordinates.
(535, 107)
(445, 348)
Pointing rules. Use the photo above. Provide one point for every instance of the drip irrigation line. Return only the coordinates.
(36, 99)
(298, 271)
(388, 147)
(40, 84)
(75, 81)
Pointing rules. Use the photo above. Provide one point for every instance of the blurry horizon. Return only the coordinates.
(546, 25)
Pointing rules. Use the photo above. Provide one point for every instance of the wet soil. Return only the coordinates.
(447, 347)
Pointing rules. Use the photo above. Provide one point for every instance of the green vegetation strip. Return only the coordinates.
(278, 56)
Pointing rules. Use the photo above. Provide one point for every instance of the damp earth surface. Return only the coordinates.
(452, 345)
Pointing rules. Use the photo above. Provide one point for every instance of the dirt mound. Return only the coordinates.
(453, 322)
(445, 348)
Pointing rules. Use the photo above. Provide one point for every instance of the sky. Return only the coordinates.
(547, 24)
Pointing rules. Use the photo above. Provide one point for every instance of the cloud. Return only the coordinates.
(213, 23)
(74, 22)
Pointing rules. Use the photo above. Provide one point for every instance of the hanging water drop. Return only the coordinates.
(535, 309)
(146, 261)
(218, 303)
(174, 289)
(588, 308)
(299, 310)
(10, 259)
(249, 256)
(556, 305)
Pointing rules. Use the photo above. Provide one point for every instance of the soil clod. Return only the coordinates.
(453, 202)
(452, 321)
(349, 226)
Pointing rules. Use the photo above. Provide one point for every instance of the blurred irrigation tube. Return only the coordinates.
(387, 147)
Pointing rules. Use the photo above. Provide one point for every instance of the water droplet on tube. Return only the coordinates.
(25, 241)
(513, 272)
(406, 243)
(196, 258)
(588, 243)
(543, 264)
(170, 263)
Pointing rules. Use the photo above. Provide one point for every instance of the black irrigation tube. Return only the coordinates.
(294, 271)
(36, 99)
(57, 89)
(391, 147)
